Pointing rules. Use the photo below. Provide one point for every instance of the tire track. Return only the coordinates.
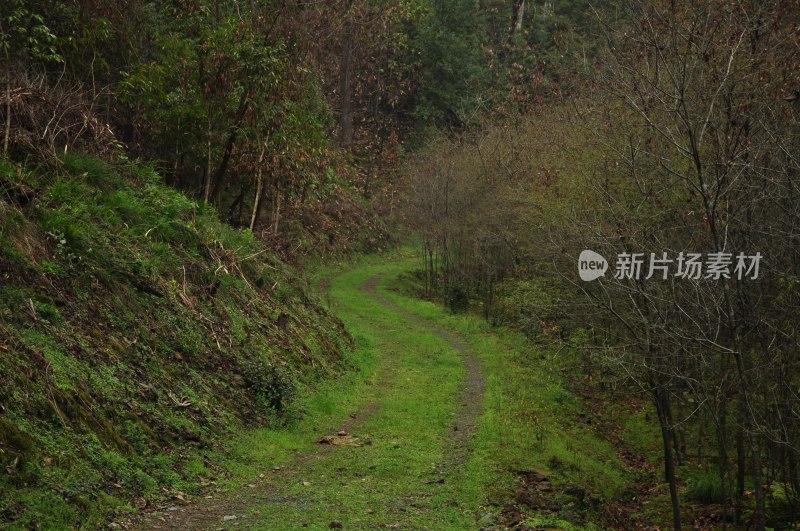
(212, 513)
(470, 400)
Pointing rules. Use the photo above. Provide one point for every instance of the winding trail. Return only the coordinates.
(470, 399)
(278, 499)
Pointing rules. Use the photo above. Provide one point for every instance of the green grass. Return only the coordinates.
(531, 419)
(705, 486)
(120, 300)
(412, 377)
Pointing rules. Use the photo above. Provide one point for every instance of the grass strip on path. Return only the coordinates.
(401, 405)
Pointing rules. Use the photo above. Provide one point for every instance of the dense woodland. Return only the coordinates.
(683, 137)
(509, 136)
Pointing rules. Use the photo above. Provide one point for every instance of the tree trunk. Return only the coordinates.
(752, 439)
(722, 458)
(662, 408)
(226, 156)
(276, 211)
(675, 435)
(207, 183)
(236, 204)
(8, 113)
(8, 99)
(517, 15)
(741, 457)
(259, 188)
(345, 84)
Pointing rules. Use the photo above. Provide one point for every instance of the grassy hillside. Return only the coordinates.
(136, 331)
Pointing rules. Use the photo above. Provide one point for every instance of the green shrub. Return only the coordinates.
(7, 168)
(705, 487)
(533, 306)
(96, 172)
(46, 311)
(273, 385)
(457, 298)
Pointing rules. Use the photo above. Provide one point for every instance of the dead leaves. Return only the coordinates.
(343, 439)
(179, 403)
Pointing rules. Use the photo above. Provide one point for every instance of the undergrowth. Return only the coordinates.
(136, 332)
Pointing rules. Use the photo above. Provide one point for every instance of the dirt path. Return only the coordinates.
(471, 396)
(266, 493)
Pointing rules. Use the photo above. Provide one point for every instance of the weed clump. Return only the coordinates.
(705, 487)
(457, 298)
(273, 385)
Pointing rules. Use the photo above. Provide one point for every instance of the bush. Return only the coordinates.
(457, 299)
(273, 385)
(96, 172)
(705, 487)
(533, 306)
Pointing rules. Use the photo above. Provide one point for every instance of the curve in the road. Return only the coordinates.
(470, 401)
(211, 512)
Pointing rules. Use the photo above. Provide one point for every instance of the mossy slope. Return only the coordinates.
(136, 330)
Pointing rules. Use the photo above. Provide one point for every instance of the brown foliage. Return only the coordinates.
(49, 116)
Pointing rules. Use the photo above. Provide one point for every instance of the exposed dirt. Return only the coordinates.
(209, 512)
(618, 514)
(470, 401)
